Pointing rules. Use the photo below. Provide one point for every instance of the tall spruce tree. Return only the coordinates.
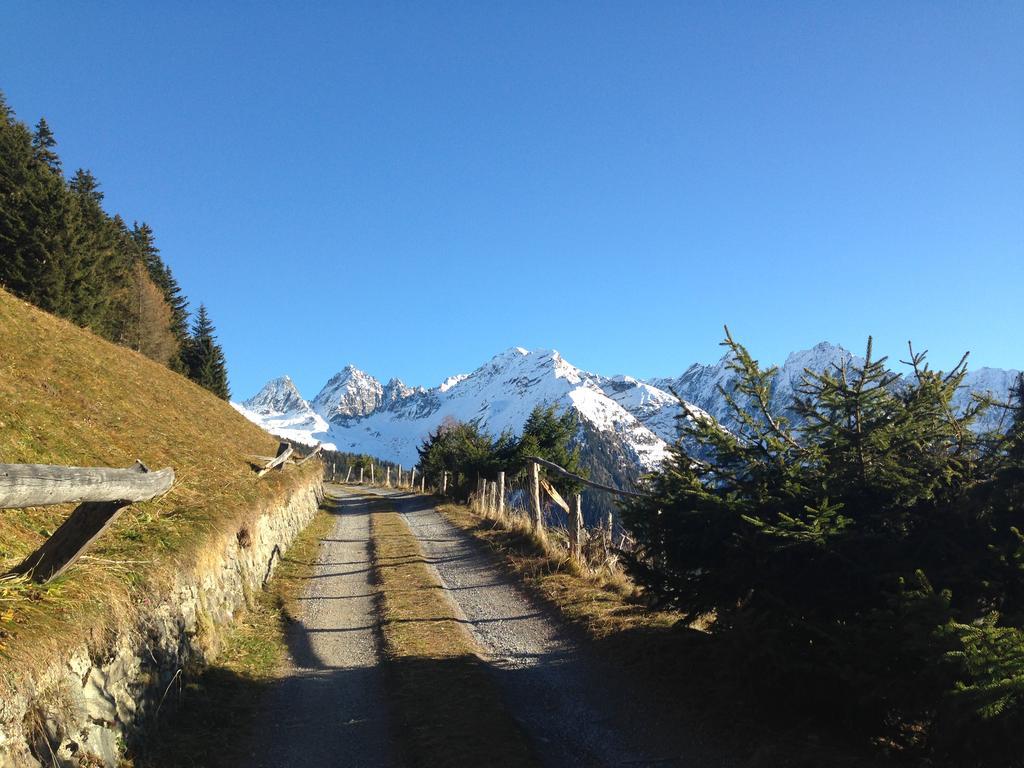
(204, 358)
(43, 143)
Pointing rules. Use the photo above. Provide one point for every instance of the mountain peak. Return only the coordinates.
(277, 396)
(350, 393)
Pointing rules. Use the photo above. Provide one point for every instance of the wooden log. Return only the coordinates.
(549, 489)
(423, 483)
(501, 494)
(372, 480)
(412, 479)
(444, 483)
(566, 473)
(361, 475)
(284, 450)
(536, 509)
(348, 475)
(387, 477)
(36, 485)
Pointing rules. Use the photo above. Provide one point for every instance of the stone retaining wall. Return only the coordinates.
(82, 712)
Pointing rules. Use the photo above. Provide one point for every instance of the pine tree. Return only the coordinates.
(204, 358)
(866, 565)
(550, 435)
(43, 143)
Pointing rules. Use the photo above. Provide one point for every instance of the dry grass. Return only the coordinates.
(601, 601)
(448, 709)
(69, 397)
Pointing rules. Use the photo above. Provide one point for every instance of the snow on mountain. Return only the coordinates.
(634, 420)
(348, 395)
(700, 384)
(356, 413)
(992, 382)
(279, 408)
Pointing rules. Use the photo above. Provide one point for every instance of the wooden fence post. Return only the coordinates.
(387, 477)
(372, 480)
(423, 483)
(538, 515)
(501, 494)
(576, 527)
(361, 475)
(412, 480)
(611, 529)
(444, 483)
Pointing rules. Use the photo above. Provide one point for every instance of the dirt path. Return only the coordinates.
(565, 700)
(330, 707)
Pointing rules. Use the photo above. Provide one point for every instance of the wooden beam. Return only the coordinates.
(36, 485)
(70, 540)
(307, 457)
(284, 450)
(549, 489)
(567, 474)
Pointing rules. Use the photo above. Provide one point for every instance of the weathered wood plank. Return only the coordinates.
(71, 539)
(36, 485)
(284, 450)
(549, 489)
(310, 455)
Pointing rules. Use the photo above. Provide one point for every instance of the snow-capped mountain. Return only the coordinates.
(700, 384)
(626, 424)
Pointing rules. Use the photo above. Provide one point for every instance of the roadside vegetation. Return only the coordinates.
(447, 708)
(467, 452)
(865, 569)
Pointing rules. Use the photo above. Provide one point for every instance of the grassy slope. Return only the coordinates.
(68, 397)
(447, 707)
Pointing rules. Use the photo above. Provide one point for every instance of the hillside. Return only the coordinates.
(69, 397)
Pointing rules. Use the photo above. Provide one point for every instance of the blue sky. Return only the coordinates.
(414, 187)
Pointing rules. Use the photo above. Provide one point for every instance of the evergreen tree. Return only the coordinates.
(60, 250)
(43, 143)
(550, 435)
(204, 358)
(866, 566)
(464, 450)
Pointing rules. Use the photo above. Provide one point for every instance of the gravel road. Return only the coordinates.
(563, 697)
(329, 707)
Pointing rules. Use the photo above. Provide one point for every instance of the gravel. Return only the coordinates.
(330, 707)
(577, 712)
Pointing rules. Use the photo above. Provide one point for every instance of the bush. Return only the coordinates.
(863, 566)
